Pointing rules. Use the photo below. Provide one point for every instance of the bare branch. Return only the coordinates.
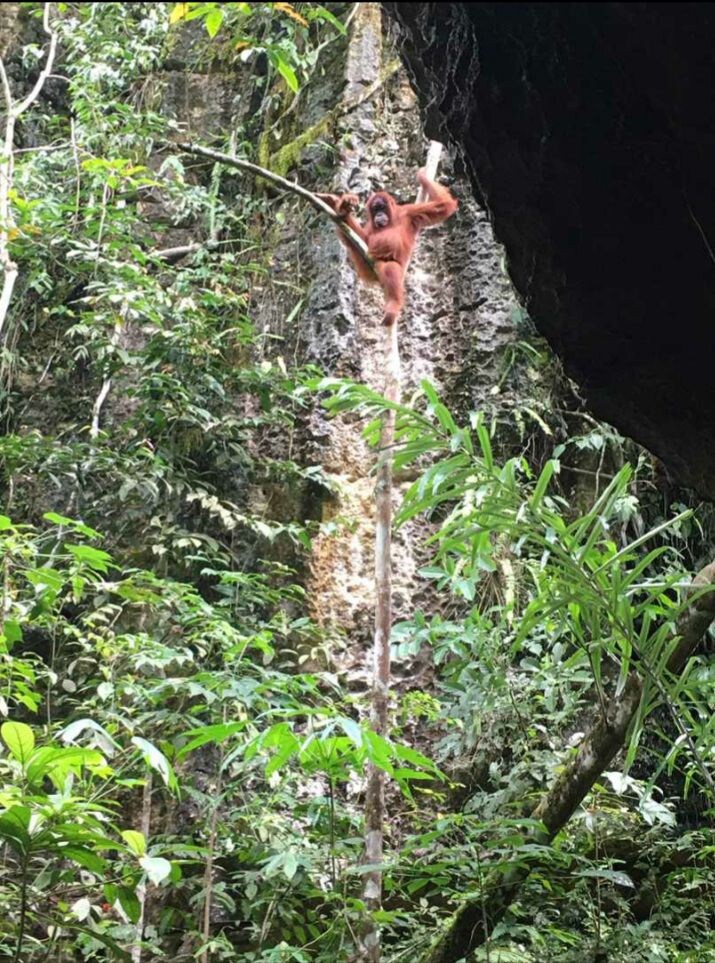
(7, 93)
(174, 253)
(47, 70)
(13, 111)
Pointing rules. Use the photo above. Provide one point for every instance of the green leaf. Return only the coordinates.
(135, 841)
(12, 632)
(288, 748)
(379, 751)
(71, 732)
(81, 909)
(279, 736)
(655, 812)
(45, 578)
(127, 899)
(216, 733)
(94, 558)
(543, 483)
(58, 762)
(612, 875)
(195, 10)
(352, 730)
(65, 522)
(284, 69)
(85, 858)
(105, 690)
(156, 760)
(290, 864)
(14, 828)
(417, 758)
(486, 446)
(20, 740)
(156, 868)
(411, 774)
(320, 13)
(213, 22)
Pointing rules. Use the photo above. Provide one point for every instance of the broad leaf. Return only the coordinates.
(156, 868)
(135, 841)
(20, 740)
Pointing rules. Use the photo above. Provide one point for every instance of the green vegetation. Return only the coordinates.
(180, 759)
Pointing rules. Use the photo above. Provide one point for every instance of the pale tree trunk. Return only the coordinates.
(375, 813)
(13, 110)
(210, 860)
(145, 829)
(375, 789)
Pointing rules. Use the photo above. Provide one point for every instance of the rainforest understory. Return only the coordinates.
(193, 395)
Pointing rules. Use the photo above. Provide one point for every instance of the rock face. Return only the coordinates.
(587, 132)
(458, 323)
(8, 26)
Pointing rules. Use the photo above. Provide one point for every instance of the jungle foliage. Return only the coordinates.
(180, 761)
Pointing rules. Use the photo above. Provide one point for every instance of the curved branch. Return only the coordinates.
(220, 158)
(8, 267)
(47, 69)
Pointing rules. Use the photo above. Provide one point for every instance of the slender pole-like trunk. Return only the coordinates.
(375, 790)
(375, 813)
(13, 110)
(145, 828)
(23, 909)
(210, 860)
(7, 265)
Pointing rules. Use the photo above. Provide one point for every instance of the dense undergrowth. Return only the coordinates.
(173, 783)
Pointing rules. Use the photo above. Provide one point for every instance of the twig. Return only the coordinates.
(210, 859)
(703, 235)
(169, 253)
(106, 383)
(77, 170)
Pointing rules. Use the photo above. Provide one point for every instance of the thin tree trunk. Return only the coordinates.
(145, 828)
(375, 814)
(13, 110)
(375, 789)
(107, 381)
(210, 859)
(8, 266)
(474, 921)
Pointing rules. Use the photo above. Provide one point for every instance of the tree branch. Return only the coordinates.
(46, 71)
(220, 158)
(8, 267)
